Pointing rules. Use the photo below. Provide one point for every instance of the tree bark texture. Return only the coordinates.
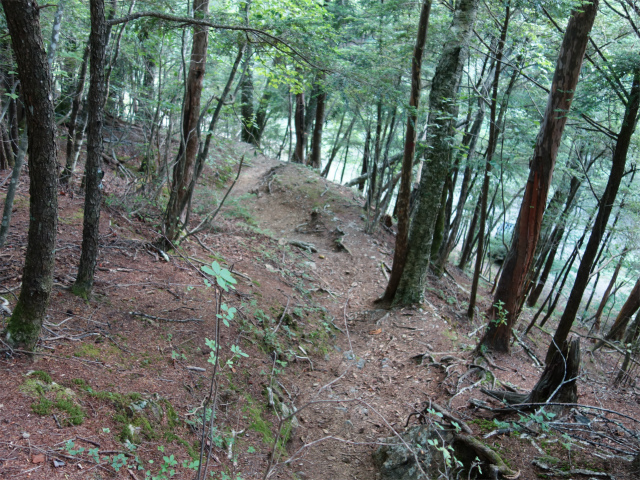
(93, 171)
(511, 287)
(558, 380)
(631, 305)
(184, 168)
(604, 211)
(443, 110)
(298, 121)
(23, 20)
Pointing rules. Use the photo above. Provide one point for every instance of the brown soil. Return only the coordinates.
(306, 320)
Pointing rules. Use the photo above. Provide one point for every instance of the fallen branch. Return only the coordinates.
(161, 319)
(568, 473)
(310, 247)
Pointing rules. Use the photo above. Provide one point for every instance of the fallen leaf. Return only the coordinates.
(375, 332)
(39, 458)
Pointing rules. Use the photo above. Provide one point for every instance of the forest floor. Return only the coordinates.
(104, 376)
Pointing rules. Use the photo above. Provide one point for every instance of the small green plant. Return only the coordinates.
(223, 276)
(501, 313)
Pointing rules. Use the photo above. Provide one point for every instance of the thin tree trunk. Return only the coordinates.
(491, 148)
(606, 294)
(298, 152)
(511, 287)
(55, 33)
(335, 148)
(631, 306)
(469, 238)
(346, 154)
(184, 168)
(23, 21)
(316, 142)
(553, 242)
(604, 211)
(443, 109)
(11, 191)
(246, 99)
(562, 275)
(261, 115)
(70, 163)
(93, 173)
(365, 159)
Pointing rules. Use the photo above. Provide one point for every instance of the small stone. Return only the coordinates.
(58, 463)
(331, 459)
(25, 435)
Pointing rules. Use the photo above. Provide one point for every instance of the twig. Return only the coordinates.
(161, 319)
(209, 218)
(282, 317)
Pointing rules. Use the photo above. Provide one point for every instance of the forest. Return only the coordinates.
(310, 239)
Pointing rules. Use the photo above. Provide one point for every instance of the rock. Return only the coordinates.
(58, 463)
(395, 462)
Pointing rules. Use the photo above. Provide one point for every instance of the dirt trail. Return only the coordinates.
(305, 318)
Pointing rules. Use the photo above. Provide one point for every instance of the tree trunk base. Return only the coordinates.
(556, 384)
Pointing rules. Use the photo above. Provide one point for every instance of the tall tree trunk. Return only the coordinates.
(631, 306)
(184, 169)
(443, 110)
(93, 172)
(511, 287)
(316, 142)
(491, 148)
(55, 33)
(23, 21)
(604, 211)
(298, 120)
(70, 163)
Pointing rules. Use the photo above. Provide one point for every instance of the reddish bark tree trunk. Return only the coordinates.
(404, 193)
(604, 211)
(183, 172)
(511, 288)
(626, 312)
